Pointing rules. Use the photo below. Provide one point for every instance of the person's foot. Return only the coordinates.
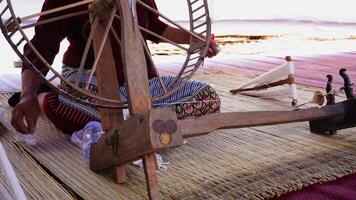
(15, 98)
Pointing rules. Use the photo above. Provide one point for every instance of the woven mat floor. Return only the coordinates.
(250, 163)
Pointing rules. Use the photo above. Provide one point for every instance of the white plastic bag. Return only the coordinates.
(84, 138)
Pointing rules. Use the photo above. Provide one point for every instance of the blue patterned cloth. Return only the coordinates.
(187, 90)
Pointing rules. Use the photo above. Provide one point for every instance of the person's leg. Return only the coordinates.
(193, 99)
(64, 116)
(204, 102)
(15, 98)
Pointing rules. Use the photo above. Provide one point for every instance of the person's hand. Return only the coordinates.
(25, 115)
(213, 49)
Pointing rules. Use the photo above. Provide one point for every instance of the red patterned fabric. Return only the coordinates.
(341, 189)
(64, 117)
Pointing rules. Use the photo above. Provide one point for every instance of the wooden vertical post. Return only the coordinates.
(107, 83)
(140, 100)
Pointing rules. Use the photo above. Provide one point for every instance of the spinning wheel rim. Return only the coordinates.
(194, 58)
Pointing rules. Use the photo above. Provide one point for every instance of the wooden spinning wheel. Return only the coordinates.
(134, 52)
(15, 28)
(152, 130)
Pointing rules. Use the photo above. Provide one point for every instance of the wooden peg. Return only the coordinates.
(347, 84)
(330, 97)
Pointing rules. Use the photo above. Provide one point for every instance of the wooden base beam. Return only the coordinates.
(209, 123)
(141, 134)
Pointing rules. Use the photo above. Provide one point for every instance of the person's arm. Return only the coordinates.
(46, 41)
(183, 37)
(174, 34)
(28, 107)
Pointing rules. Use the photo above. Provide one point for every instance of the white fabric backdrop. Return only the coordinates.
(330, 10)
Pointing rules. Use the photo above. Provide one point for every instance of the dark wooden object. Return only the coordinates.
(332, 125)
(330, 96)
(347, 84)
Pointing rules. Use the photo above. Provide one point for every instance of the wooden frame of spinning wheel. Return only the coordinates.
(133, 53)
(139, 98)
(151, 130)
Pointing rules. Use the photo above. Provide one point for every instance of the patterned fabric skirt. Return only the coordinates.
(193, 99)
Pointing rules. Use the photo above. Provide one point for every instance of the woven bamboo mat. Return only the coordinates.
(34, 179)
(250, 163)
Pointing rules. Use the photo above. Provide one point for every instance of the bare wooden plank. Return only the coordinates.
(209, 123)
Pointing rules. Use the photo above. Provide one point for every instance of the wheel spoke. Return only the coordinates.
(86, 50)
(52, 78)
(105, 37)
(54, 10)
(116, 37)
(164, 39)
(171, 21)
(55, 19)
(158, 36)
(148, 54)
